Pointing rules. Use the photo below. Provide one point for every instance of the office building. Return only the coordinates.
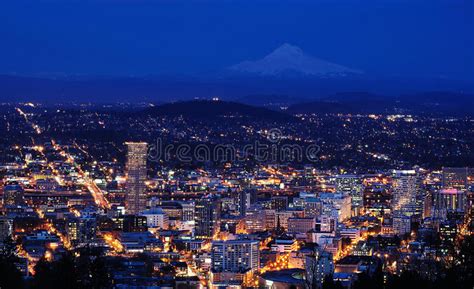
(156, 218)
(317, 266)
(301, 225)
(312, 207)
(455, 178)
(352, 185)
(279, 203)
(136, 177)
(407, 194)
(401, 224)
(6, 226)
(235, 255)
(337, 205)
(452, 200)
(207, 217)
(188, 211)
(377, 198)
(245, 199)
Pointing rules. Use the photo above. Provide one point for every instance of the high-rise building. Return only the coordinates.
(73, 230)
(188, 211)
(337, 205)
(174, 210)
(270, 219)
(455, 194)
(312, 207)
(81, 230)
(156, 218)
(207, 217)
(377, 198)
(131, 223)
(452, 200)
(6, 226)
(401, 224)
(317, 266)
(407, 193)
(351, 184)
(447, 233)
(136, 177)
(245, 199)
(279, 203)
(455, 178)
(235, 255)
(255, 219)
(282, 219)
(326, 224)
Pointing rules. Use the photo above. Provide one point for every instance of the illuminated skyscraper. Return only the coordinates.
(207, 217)
(452, 200)
(136, 177)
(407, 193)
(352, 185)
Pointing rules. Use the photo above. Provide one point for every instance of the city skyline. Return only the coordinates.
(266, 144)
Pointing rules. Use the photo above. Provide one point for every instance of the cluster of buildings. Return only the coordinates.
(272, 227)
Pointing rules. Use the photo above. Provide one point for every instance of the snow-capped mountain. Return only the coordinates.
(289, 59)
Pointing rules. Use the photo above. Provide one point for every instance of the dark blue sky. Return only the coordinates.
(126, 37)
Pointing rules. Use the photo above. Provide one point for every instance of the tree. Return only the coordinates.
(60, 274)
(100, 278)
(460, 274)
(87, 270)
(10, 275)
(365, 281)
(43, 278)
(409, 279)
(329, 283)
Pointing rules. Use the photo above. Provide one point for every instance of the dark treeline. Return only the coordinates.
(86, 268)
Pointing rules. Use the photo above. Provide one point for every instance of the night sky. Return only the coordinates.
(408, 38)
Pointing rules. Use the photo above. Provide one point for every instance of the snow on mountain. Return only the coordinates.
(291, 59)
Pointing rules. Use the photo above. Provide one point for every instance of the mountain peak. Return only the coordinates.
(287, 49)
(291, 59)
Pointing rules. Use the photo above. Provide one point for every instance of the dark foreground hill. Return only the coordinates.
(207, 109)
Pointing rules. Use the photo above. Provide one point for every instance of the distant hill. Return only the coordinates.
(273, 101)
(207, 109)
(429, 103)
(15, 88)
(321, 107)
(440, 102)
